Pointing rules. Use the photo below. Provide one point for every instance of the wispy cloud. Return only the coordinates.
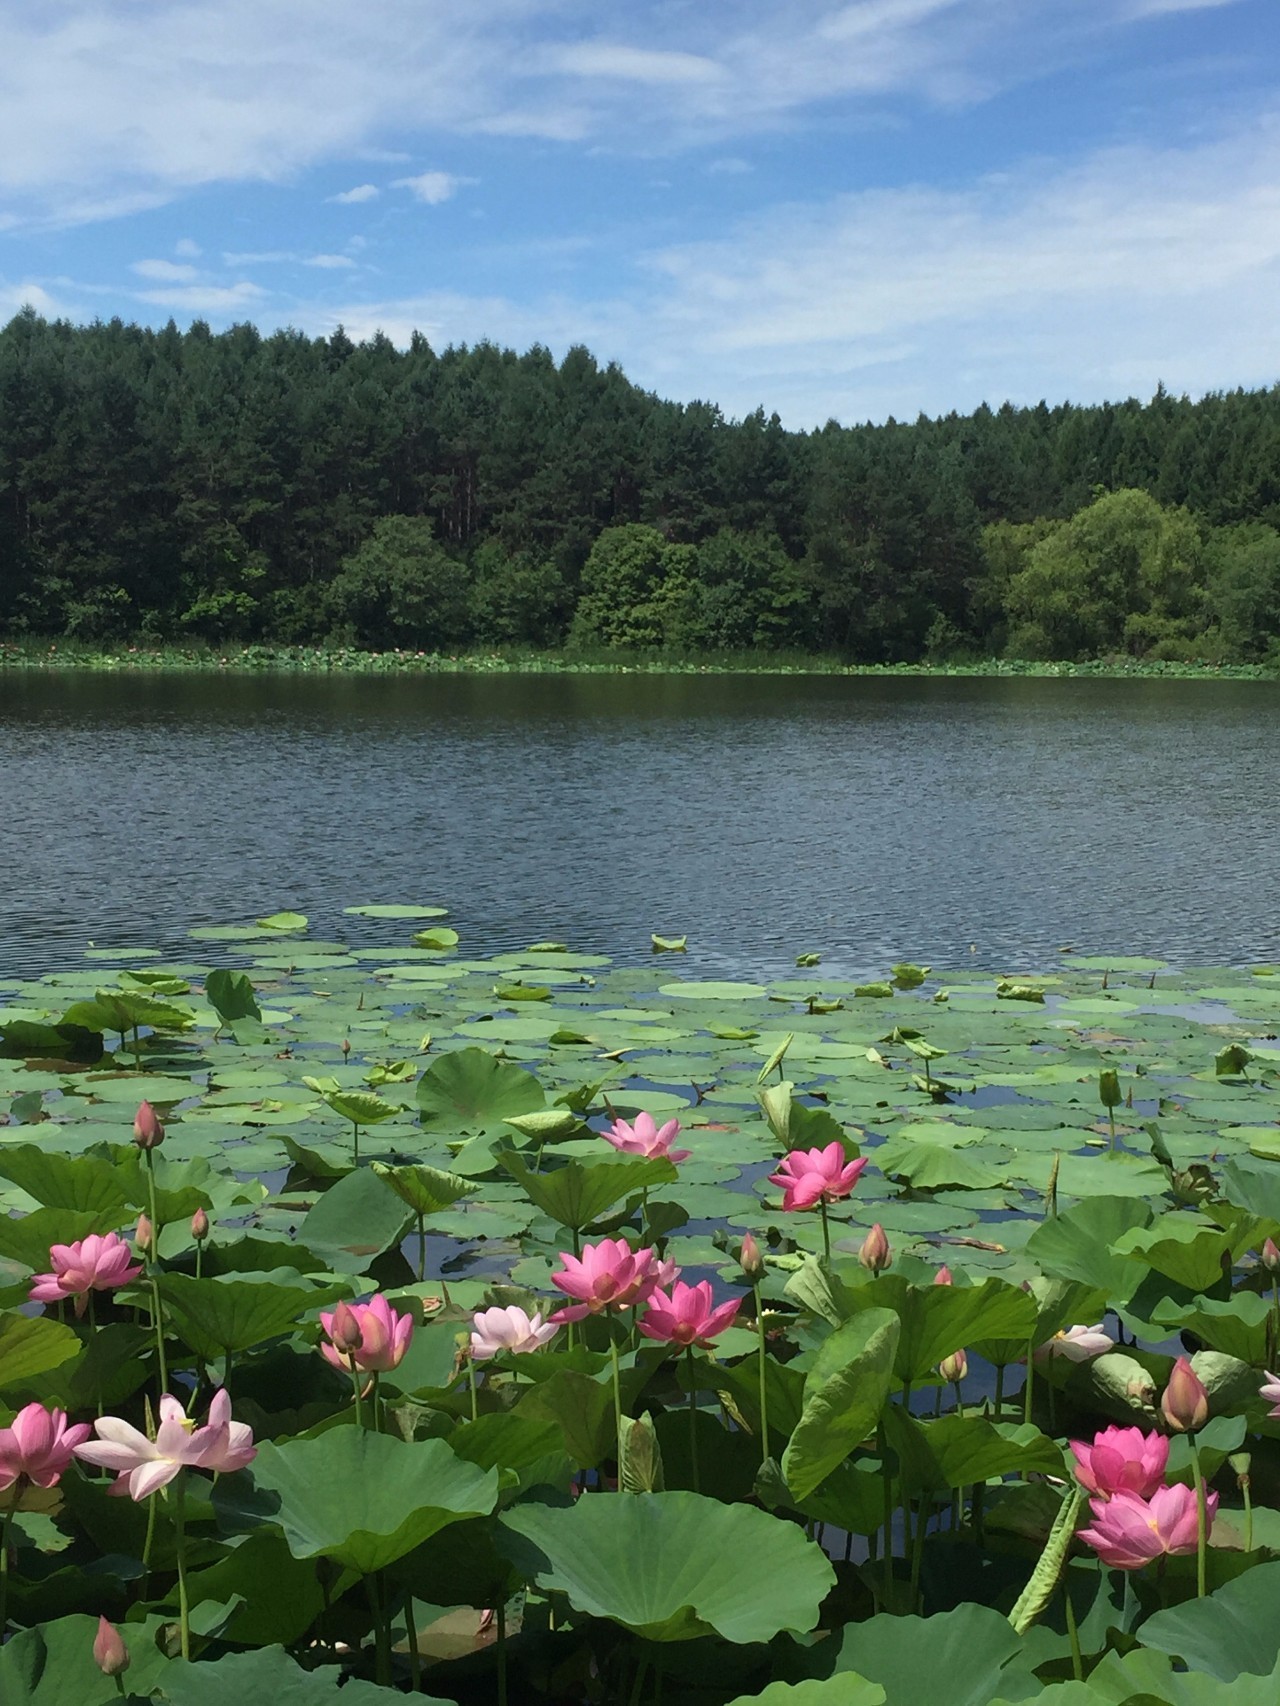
(165, 272)
(206, 298)
(187, 247)
(617, 60)
(433, 188)
(361, 192)
(328, 263)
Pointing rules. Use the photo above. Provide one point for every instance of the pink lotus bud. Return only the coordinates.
(199, 1226)
(109, 1651)
(345, 1329)
(145, 1236)
(750, 1260)
(346, 1047)
(1185, 1403)
(148, 1133)
(1270, 1256)
(955, 1367)
(943, 1275)
(875, 1254)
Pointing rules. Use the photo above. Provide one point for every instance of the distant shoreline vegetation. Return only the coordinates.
(348, 660)
(179, 490)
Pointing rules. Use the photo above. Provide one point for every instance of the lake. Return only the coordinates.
(950, 821)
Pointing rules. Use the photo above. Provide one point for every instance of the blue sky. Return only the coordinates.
(835, 210)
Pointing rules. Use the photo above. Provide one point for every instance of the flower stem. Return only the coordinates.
(693, 1419)
(1073, 1634)
(471, 1381)
(826, 1230)
(180, 1542)
(357, 1383)
(1026, 1390)
(1202, 1527)
(617, 1396)
(1248, 1516)
(411, 1636)
(422, 1249)
(764, 1376)
(4, 1563)
(153, 1255)
(999, 1391)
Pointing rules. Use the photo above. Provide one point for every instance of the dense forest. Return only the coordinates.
(165, 486)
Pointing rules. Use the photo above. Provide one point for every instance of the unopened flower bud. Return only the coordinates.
(943, 1275)
(346, 1047)
(1270, 1256)
(1185, 1404)
(144, 1237)
(750, 1260)
(148, 1133)
(875, 1254)
(109, 1651)
(955, 1367)
(199, 1226)
(345, 1330)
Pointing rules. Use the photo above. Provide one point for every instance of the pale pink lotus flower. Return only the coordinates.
(1185, 1404)
(647, 1139)
(1128, 1532)
(511, 1330)
(144, 1236)
(687, 1315)
(954, 1368)
(148, 1133)
(384, 1336)
(750, 1260)
(38, 1446)
(608, 1275)
(199, 1226)
(810, 1176)
(98, 1262)
(1076, 1344)
(943, 1275)
(109, 1651)
(224, 1445)
(1121, 1460)
(874, 1252)
(1270, 1390)
(145, 1465)
(1270, 1256)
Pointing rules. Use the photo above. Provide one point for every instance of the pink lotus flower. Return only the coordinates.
(608, 1275)
(1076, 1344)
(647, 1139)
(1128, 1531)
(109, 1651)
(148, 1133)
(384, 1336)
(509, 1329)
(874, 1252)
(143, 1465)
(38, 1446)
(1122, 1460)
(687, 1316)
(810, 1176)
(1270, 1390)
(1185, 1404)
(750, 1260)
(954, 1368)
(100, 1262)
(943, 1275)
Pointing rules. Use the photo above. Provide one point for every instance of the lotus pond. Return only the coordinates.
(531, 1329)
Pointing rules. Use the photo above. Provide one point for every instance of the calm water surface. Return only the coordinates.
(951, 821)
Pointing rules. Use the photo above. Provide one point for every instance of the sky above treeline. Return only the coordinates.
(834, 210)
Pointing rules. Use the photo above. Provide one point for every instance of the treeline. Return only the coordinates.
(162, 485)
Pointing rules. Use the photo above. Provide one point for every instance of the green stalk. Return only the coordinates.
(693, 1419)
(1248, 1516)
(882, 1447)
(999, 1390)
(4, 1564)
(1202, 1527)
(826, 1230)
(1073, 1634)
(1026, 1390)
(180, 1541)
(617, 1395)
(764, 1376)
(355, 1137)
(148, 1543)
(422, 1249)
(411, 1636)
(471, 1379)
(917, 1553)
(356, 1384)
(154, 1254)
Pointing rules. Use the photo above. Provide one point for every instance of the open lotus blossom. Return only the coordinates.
(608, 1275)
(1128, 1531)
(1122, 1460)
(100, 1262)
(1076, 1344)
(38, 1446)
(1270, 1390)
(688, 1316)
(511, 1329)
(811, 1176)
(1185, 1404)
(647, 1139)
(145, 1465)
(384, 1336)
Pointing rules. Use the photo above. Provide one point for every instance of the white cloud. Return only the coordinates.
(206, 298)
(256, 257)
(165, 272)
(15, 297)
(362, 192)
(729, 166)
(329, 262)
(431, 187)
(186, 247)
(631, 64)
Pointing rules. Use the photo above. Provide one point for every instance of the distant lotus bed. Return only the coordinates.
(532, 1328)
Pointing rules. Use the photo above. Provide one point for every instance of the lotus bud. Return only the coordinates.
(1185, 1403)
(750, 1260)
(954, 1368)
(943, 1275)
(145, 1236)
(109, 1651)
(1241, 1463)
(346, 1047)
(1270, 1256)
(199, 1226)
(1109, 1088)
(345, 1330)
(875, 1254)
(148, 1133)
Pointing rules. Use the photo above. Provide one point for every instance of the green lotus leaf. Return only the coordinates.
(30, 1346)
(939, 1319)
(582, 1410)
(546, 1125)
(669, 944)
(425, 1189)
(959, 1450)
(230, 1314)
(1184, 1248)
(1233, 1630)
(1077, 1244)
(181, 1187)
(439, 938)
(659, 1564)
(126, 1010)
(713, 991)
(26, 1039)
(846, 1690)
(396, 911)
(472, 1090)
(354, 1222)
(231, 995)
(576, 1193)
(286, 922)
(965, 1656)
(267, 1677)
(361, 1498)
(27, 1238)
(86, 1184)
(844, 1395)
(53, 1664)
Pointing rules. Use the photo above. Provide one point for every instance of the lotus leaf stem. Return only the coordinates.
(4, 1561)
(180, 1542)
(826, 1229)
(422, 1249)
(1073, 1634)
(411, 1638)
(617, 1397)
(764, 1375)
(999, 1390)
(693, 1418)
(471, 1381)
(917, 1551)
(1202, 1526)
(1026, 1390)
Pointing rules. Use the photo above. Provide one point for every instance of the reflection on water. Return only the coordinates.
(765, 816)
